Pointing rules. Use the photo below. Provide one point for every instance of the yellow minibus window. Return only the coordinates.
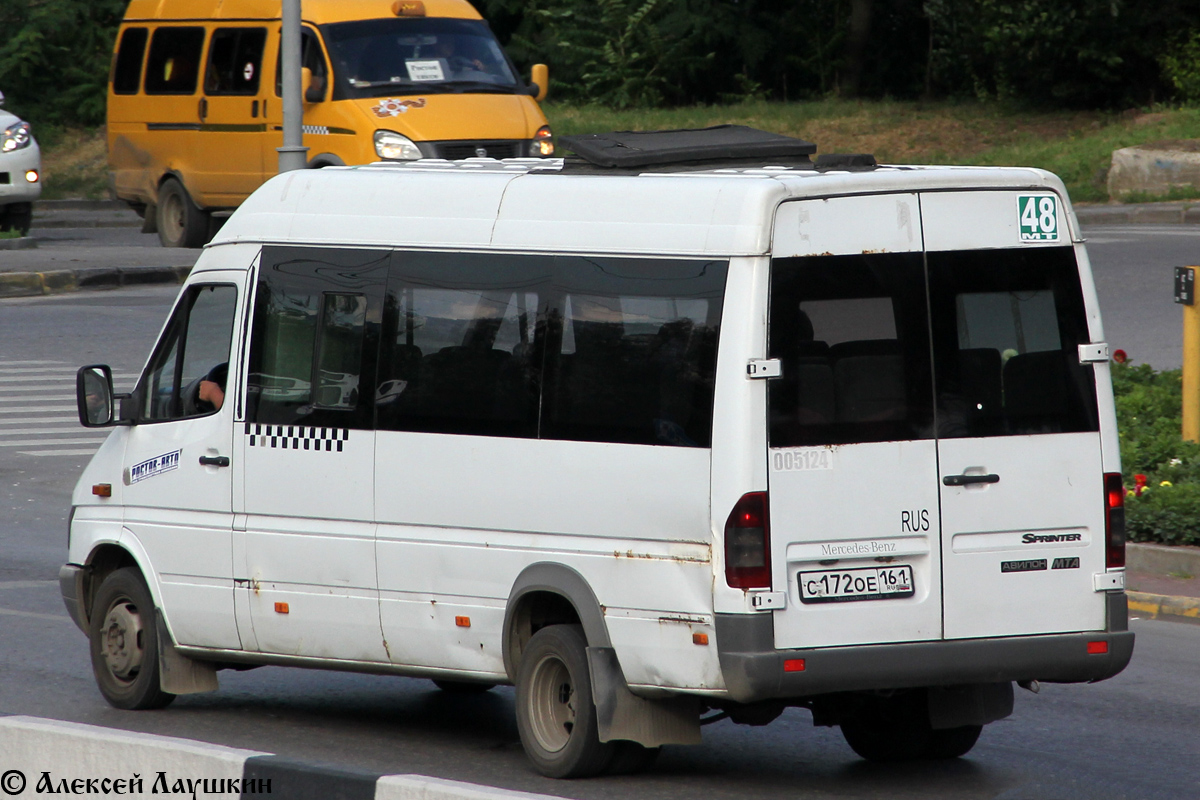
(127, 72)
(174, 62)
(235, 61)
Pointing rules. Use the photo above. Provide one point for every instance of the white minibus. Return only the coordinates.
(687, 426)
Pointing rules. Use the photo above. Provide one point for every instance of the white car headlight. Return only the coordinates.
(394, 147)
(16, 137)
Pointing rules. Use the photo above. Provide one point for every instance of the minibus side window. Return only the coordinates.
(314, 337)
(127, 69)
(461, 349)
(174, 62)
(235, 61)
(310, 57)
(852, 335)
(1007, 325)
(195, 348)
(632, 350)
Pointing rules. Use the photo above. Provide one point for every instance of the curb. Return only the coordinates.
(46, 756)
(1161, 606)
(20, 243)
(1147, 213)
(33, 284)
(1162, 558)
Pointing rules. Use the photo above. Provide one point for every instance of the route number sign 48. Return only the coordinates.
(1038, 214)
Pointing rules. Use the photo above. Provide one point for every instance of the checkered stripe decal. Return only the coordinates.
(316, 129)
(297, 437)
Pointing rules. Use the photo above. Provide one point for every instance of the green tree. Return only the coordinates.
(54, 57)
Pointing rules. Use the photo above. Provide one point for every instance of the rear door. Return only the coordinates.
(1021, 480)
(852, 455)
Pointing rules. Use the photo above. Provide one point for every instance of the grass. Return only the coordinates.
(1076, 145)
(10, 235)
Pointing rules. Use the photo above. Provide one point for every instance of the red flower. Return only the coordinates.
(1120, 356)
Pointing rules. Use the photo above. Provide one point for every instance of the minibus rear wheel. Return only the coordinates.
(124, 643)
(180, 222)
(555, 713)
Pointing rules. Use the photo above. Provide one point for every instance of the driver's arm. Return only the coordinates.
(211, 392)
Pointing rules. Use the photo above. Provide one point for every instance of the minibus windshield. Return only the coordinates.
(417, 54)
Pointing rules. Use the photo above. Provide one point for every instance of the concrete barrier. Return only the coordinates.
(44, 756)
(1154, 169)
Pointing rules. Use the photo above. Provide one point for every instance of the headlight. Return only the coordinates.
(394, 147)
(16, 136)
(543, 143)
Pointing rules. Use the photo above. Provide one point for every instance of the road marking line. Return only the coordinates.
(90, 452)
(27, 409)
(43, 442)
(40, 420)
(26, 584)
(48, 387)
(56, 398)
(18, 363)
(39, 431)
(12, 612)
(52, 379)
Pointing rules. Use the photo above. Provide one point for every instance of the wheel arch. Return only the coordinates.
(547, 593)
(321, 160)
(108, 557)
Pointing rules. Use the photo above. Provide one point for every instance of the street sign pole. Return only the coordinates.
(293, 154)
(1185, 281)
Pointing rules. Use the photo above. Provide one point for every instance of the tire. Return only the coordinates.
(631, 758)
(952, 742)
(555, 714)
(890, 728)
(463, 687)
(180, 222)
(17, 217)
(124, 643)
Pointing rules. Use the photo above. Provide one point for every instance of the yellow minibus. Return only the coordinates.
(195, 112)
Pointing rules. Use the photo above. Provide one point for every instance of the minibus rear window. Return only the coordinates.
(1007, 325)
(852, 335)
(127, 71)
(174, 62)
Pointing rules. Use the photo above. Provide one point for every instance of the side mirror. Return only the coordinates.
(1, 99)
(541, 79)
(94, 396)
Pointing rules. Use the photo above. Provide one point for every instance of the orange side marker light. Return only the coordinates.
(281, 608)
(699, 638)
(462, 622)
(102, 490)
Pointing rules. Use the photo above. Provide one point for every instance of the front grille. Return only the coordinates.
(4, 178)
(496, 149)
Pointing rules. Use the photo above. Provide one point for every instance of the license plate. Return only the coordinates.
(848, 585)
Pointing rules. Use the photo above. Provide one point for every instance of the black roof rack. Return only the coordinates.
(721, 145)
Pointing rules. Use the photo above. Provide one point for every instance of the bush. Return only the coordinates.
(1149, 418)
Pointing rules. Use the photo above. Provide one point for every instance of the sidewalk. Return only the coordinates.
(1163, 582)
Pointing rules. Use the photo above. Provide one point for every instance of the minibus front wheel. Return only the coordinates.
(124, 643)
(555, 713)
(180, 222)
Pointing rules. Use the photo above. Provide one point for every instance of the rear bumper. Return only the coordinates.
(754, 669)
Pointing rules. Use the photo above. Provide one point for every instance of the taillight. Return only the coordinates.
(1114, 519)
(748, 543)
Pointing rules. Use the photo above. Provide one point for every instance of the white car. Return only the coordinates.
(20, 172)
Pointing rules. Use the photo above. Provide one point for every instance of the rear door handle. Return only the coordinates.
(966, 480)
(214, 461)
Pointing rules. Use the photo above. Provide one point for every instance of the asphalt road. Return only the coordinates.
(1133, 737)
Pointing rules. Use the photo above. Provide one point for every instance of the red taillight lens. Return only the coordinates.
(1114, 519)
(748, 543)
(1097, 648)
